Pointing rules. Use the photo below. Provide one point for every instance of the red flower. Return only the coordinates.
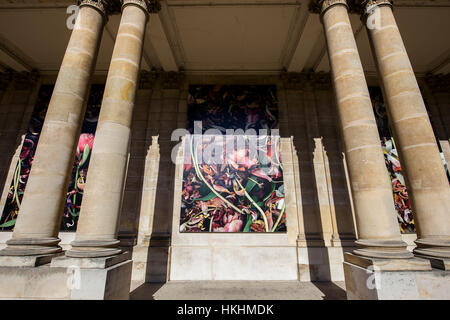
(85, 139)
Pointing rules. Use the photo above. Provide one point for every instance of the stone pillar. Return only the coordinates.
(99, 217)
(427, 183)
(379, 234)
(37, 226)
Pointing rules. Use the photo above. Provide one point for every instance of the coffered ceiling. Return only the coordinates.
(218, 36)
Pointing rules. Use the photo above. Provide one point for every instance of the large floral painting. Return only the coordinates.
(237, 186)
(79, 173)
(26, 156)
(81, 163)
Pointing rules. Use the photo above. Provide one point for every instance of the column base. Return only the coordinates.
(382, 249)
(404, 279)
(31, 247)
(104, 278)
(94, 248)
(437, 250)
(410, 264)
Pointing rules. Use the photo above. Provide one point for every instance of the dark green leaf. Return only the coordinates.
(250, 184)
(204, 189)
(85, 155)
(248, 224)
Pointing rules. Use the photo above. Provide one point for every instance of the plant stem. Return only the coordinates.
(199, 174)
(279, 217)
(256, 206)
(17, 181)
(276, 155)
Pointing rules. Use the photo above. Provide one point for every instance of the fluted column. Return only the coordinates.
(426, 179)
(379, 234)
(99, 216)
(37, 226)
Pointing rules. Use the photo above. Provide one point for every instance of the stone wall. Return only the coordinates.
(306, 113)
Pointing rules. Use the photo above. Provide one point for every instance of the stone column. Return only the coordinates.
(426, 179)
(37, 226)
(99, 217)
(379, 234)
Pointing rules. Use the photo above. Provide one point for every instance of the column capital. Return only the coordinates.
(149, 6)
(320, 6)
(106, 7)
(364, 7)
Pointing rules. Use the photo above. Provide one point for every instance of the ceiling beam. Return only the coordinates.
(11, 57)
(305, 46)
(159, 44)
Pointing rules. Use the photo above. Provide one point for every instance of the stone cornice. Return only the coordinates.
(168, 80)
(306, 80)
(172, 80)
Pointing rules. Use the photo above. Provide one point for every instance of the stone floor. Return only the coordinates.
(238, 290)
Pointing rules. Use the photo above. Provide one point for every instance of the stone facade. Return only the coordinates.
(342, 222)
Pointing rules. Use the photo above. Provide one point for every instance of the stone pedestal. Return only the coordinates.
(97, 278)
(42, 282)
(65, 278)
(395, 279)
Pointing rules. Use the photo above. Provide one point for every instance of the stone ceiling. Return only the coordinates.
(218, 36)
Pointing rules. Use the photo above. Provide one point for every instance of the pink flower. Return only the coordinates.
(233, 226)
(85, 139)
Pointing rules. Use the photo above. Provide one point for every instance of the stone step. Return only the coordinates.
(238, 290)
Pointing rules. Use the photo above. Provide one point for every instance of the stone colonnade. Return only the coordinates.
(36, 231)
(379, 236)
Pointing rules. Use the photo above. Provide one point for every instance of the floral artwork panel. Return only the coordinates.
(23, 166)
(232, 182)
(400, 193)
(82, 157)
(79, 172)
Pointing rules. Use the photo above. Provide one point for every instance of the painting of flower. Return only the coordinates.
(80, 166)
(238, 189)
(26, 157)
